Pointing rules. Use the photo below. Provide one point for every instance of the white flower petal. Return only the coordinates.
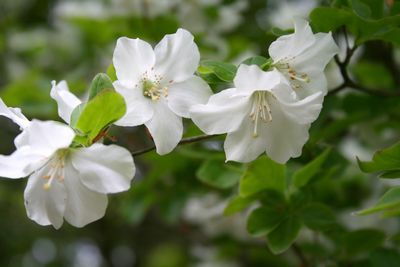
(139, 109)
(83, 205)
(291, 45)
(177, 56)
(66, 101)
(131, 59)
(45, 206)
(285, 135)
(241, 146)
(13, 114)
(46, 137)
(251, 78)
(223, 113)
(316, 84)
(165, 127)
(104, 169)
(21, 163)
(303, 111)
(182, 96)
(315, 59)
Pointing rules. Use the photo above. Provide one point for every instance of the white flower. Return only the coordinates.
(281, 13)
(65, 182)
(66, 101)
(158, 85)
(302, 57)
(14, 114)
(260, 114)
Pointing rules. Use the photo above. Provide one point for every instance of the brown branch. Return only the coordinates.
(300, 255)
(182, 142)
(349, 83)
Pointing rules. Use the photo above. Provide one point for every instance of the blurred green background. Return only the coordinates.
(173, 216)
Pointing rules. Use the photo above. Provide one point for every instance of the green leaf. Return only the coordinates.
(304, 175)
(360, 8)
(224, 71)
(262, 62)
(219, 174)
(111, 73)
(330, 19)
(391, 199)
(384, 258)
(383, 160)
(238, 204)
(391, 174)
(317, 216)
(283, 236)
(100, 82)
(363, 240)
(262, 174)
(265, 219)
(325, 19)
(279, 32)
(97, 114)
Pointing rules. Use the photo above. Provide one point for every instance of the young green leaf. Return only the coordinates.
(111, 73)
(97, 114)
(100, 82)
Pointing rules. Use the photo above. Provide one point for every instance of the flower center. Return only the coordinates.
(56, 171)
(296, 77)
(153, 88)
(260, 110)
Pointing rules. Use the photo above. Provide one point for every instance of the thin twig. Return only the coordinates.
(300, 255)
(349, 83)
(182, 142)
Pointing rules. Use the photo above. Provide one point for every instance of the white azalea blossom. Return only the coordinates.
(159, 86)
(261, 114)
(302, 57)
(64, 182)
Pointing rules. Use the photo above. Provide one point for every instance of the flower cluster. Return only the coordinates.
(265, 111)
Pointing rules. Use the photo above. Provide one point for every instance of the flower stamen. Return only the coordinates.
(153, 89)
(260, 109)
(56, 170)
